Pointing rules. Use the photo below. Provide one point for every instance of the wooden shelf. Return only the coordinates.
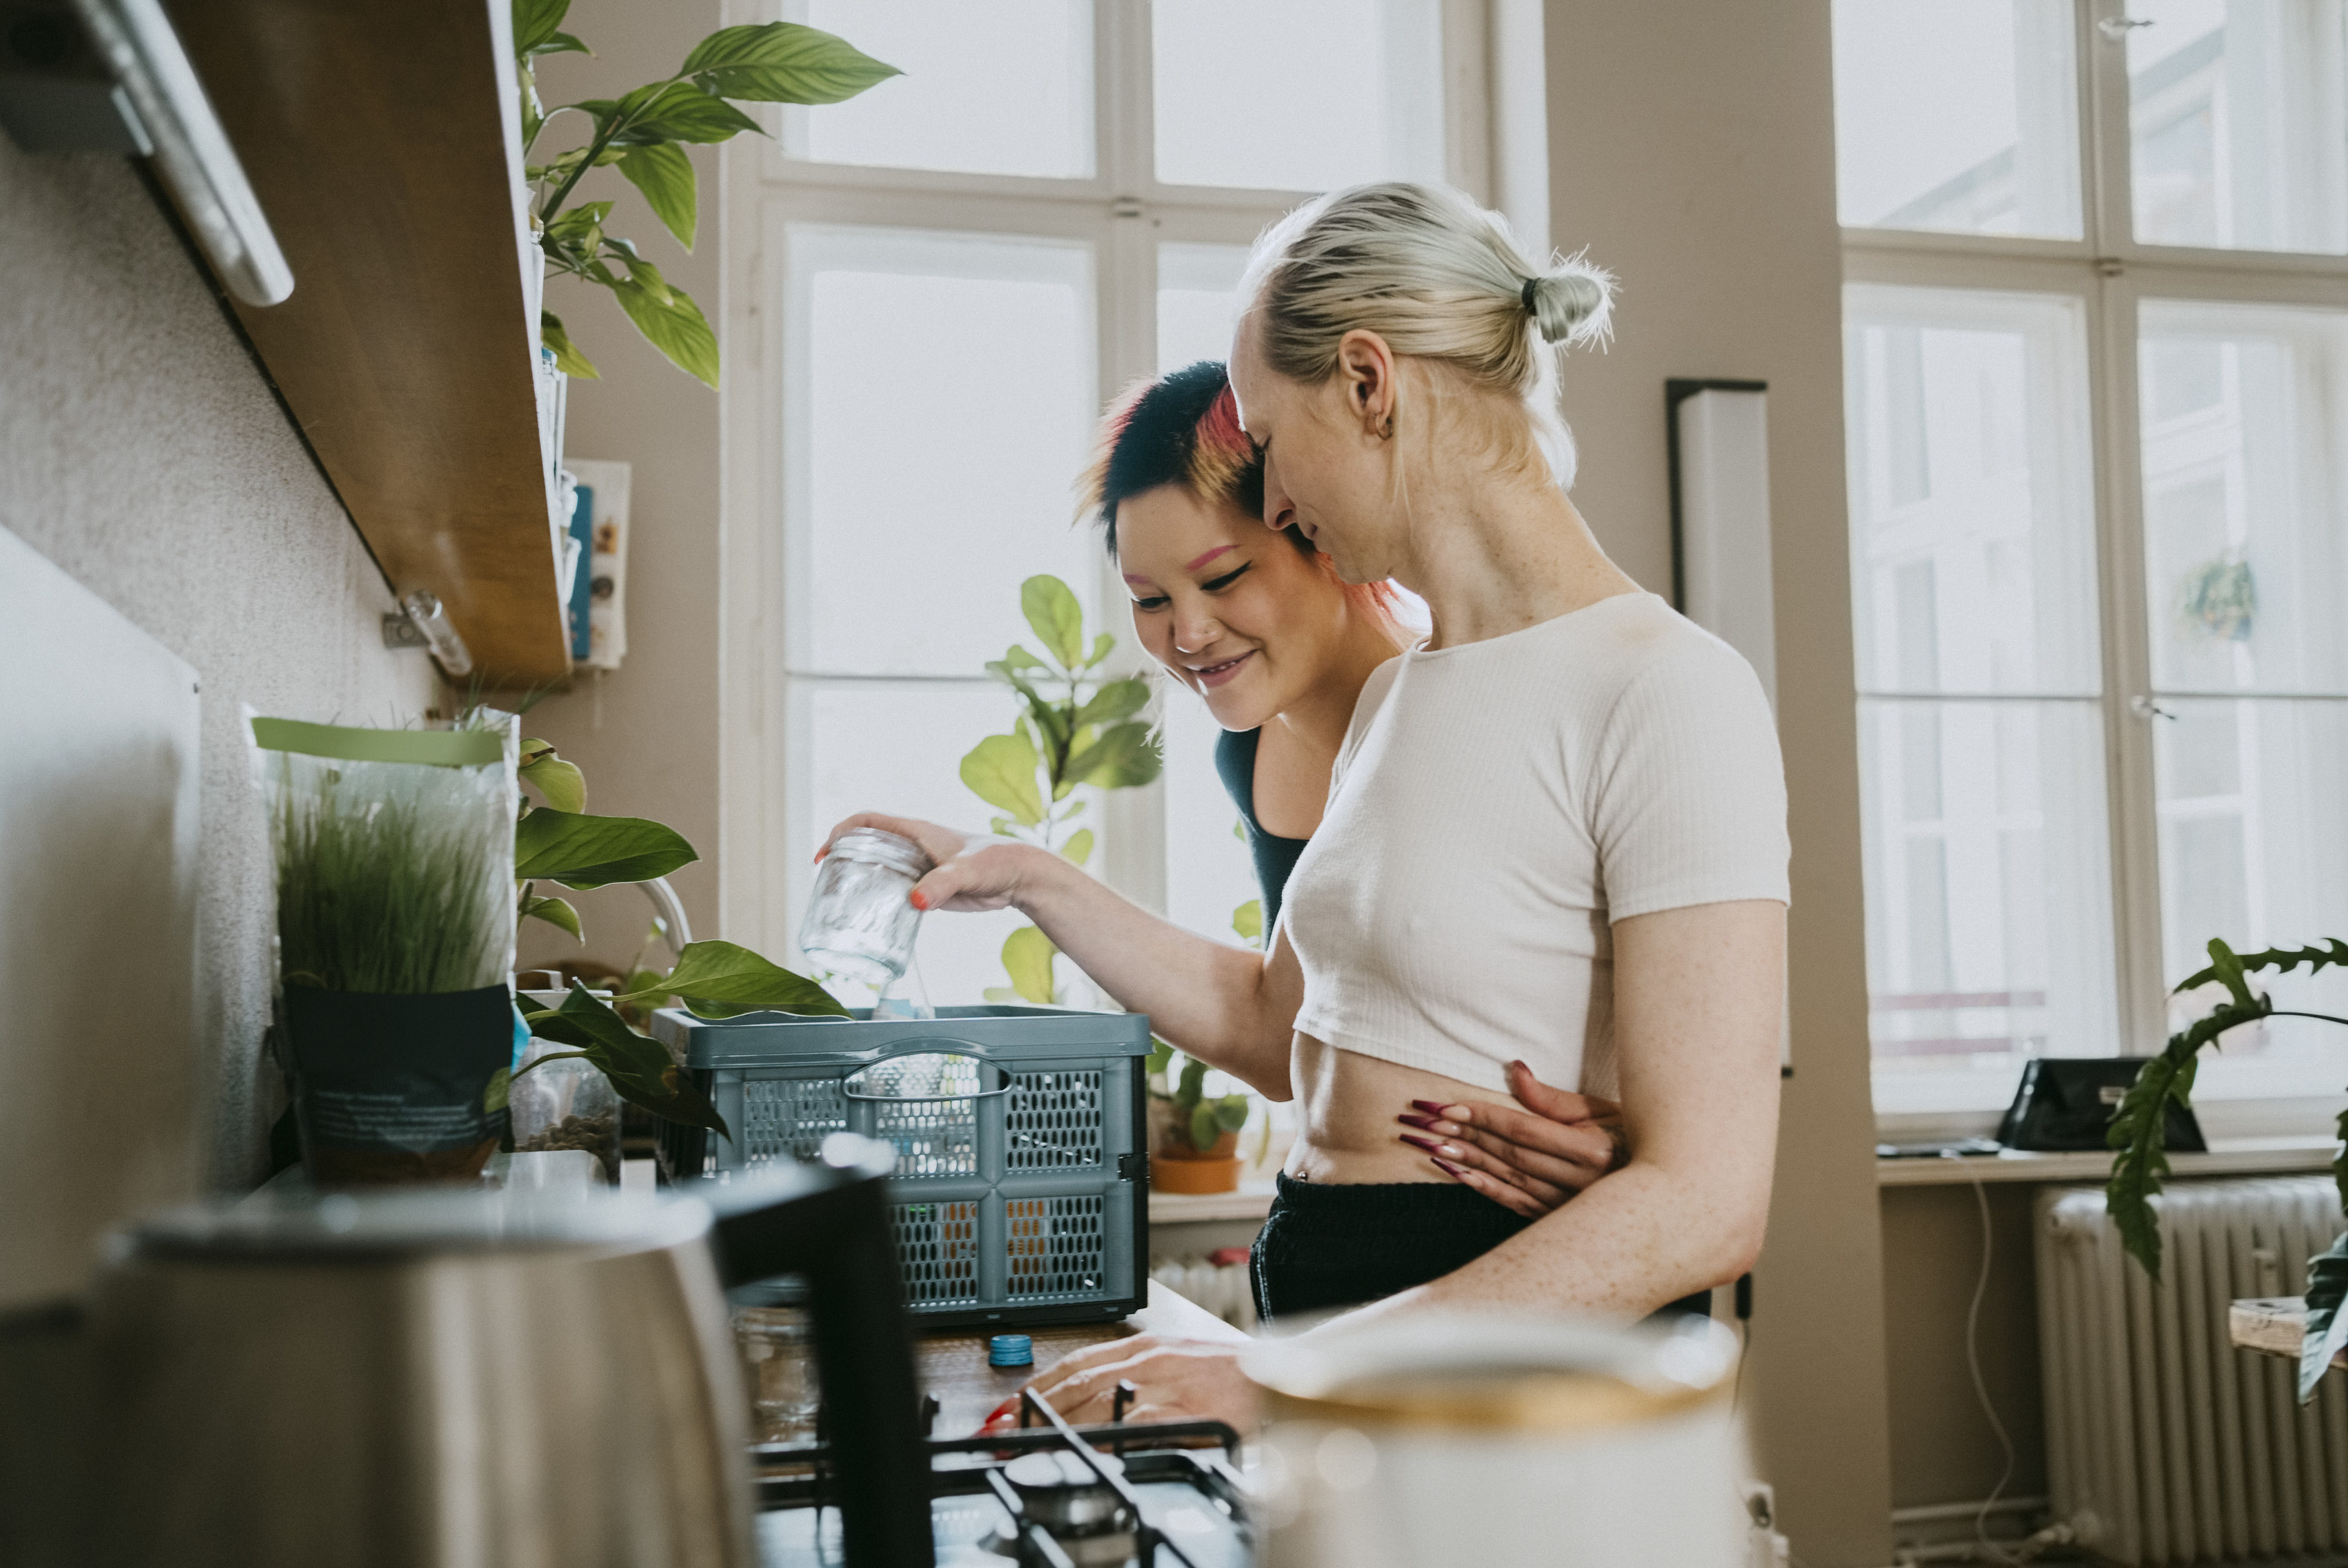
(2227, 1157)
(378, 140)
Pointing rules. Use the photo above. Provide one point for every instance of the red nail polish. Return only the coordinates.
(1424, 1123)
(1432, 1107)
(1416, 1143)
(919, 900)
(1446, 1167)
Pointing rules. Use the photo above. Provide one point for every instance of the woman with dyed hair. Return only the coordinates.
(1555, 834)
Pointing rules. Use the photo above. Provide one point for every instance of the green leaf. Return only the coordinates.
(664, 174)
(562, 44)
(1102, 646)
(2282, 960)
(1059, 620)
(554, 912)
(1115, 699)
(1005, 996)
(2229, 970)
(578, 223)
(1027, 957)
(2139, 1129)
(1193, 1083)
(1231, 1112)
(1001, 771)
(1239, 828)
(1162, 1055)
(1248, 919)
(2327, 1325)
(567, 357)
(555, 846)
(1079, 848)
(559, 784)
(1204, 1128)
(1123, 754)
(534, 22)
(640, 1069)
(677, 111)
(675, 326)
(783, 62)
(719, 979)
(1018, 657)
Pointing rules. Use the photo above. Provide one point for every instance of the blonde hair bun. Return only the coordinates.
(1572, 304)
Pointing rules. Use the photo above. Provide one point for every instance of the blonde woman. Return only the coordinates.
(1555, 834)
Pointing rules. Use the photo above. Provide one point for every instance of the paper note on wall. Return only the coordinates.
(604, 485)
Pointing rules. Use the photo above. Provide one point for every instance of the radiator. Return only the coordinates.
(2165, 1443)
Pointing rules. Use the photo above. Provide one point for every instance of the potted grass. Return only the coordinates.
(393, 852)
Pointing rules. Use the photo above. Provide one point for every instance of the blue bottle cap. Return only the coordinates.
(1011, 1350)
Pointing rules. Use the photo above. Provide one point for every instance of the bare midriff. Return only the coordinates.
(1345, 1109)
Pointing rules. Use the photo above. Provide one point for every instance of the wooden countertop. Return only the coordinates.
(952, 1366)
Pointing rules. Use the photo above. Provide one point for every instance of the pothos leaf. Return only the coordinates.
(719, 979)
(2327, 1325)
(640, 1069)
(559, 784)
(556, 845)
(1027, 957)
(554, 912)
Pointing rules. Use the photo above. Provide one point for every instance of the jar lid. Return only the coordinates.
(1011, 1350)
(1493, 1373)
(878, 846)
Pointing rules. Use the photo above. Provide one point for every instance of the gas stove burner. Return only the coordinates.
(1063, 1495)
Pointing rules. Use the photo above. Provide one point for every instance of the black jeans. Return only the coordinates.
(1341, 1245)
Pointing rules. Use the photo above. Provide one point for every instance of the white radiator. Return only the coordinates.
(2167, 1444)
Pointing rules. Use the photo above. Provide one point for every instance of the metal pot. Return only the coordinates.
(441, 1380)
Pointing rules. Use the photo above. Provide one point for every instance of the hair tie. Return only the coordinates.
(1526, 296)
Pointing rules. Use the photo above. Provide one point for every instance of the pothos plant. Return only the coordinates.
(1076, 726)
(555, 841)
(2139, 1133)
(641, 134)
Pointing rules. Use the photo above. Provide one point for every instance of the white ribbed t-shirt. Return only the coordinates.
(1496, 805)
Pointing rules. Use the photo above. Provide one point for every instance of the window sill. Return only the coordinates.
(1252, 1202)
(2227, 1157)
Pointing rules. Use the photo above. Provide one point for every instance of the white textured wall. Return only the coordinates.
(141, 450)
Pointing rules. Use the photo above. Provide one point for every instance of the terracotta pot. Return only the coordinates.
(1196, 1173)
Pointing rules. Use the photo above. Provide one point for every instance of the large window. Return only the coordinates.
(938, 284)
(2096, 371)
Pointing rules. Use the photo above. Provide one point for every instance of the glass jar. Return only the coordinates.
(566, 1104)
(777, 1354)
(862, 922)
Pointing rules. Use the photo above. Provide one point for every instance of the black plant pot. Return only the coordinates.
(399, 1088)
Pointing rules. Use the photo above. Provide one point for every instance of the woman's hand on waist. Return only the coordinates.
(1528, 1161)
(972, 872)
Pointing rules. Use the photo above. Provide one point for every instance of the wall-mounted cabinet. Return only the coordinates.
(380, 139)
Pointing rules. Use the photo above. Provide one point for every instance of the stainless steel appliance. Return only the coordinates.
(1142, 1494)
(444, 1380)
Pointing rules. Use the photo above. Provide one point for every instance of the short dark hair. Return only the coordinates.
(1181, 429)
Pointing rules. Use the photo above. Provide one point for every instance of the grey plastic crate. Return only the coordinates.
(1021, 1195)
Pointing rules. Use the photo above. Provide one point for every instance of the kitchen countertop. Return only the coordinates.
(953, 1365)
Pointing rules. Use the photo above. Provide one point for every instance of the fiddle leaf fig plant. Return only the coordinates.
(555, 841)
(1076, 726)
(2139, 1133)
(642, 134)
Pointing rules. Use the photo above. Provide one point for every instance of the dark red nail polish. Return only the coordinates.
(1424, 1123)
(1432, 1107)
(1416, 1143)
(1447, 1168)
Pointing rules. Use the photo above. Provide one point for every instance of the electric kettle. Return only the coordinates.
(478, 1379)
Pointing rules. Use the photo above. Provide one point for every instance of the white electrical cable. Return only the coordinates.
(1980, 1384)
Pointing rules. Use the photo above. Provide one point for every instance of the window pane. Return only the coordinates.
(898, 747)
(940, 398)
(1988, 893)
(1307, 95)
(1197, 302)
(1961, 117)
(2254, 849)
(1005, 87)
(1208, 869)
(2245, 565)
(1972, 516)
(2240, 124)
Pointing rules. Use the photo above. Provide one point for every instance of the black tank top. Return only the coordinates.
(1276, 856)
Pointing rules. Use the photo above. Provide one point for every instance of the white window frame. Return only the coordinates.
(1495, 147)
(2111, 274)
